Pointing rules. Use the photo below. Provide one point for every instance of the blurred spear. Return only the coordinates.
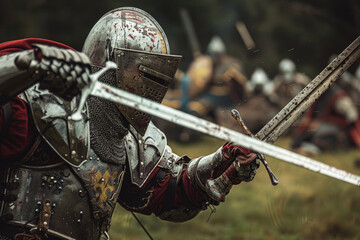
(190, 32)
(245, 35)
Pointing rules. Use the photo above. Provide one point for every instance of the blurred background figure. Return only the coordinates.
(259, 108)
(213, 84)
(351, 84)
(288, 82)
(331, 123)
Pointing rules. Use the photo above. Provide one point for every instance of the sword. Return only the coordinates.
(122, 97)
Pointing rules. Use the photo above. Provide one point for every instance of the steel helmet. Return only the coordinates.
(135, 41)
(287, 68)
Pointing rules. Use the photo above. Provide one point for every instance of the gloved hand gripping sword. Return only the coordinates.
(218, 188)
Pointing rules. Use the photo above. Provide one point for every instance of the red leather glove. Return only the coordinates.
(230, 153)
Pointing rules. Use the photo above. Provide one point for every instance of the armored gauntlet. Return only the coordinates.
(216, 173)
(62, 71)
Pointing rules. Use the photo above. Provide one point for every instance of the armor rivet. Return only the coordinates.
(140, 141)
(52, 178)
(37, 72)
(43, 184)
(78, 220)
(36, 210)
(46, 215)
(142, 163)
(45, 223)
(146, 56)
(65, 154)
(141, 58)
(80, 191)
(54, 204)
(38, 203)
(60, 188)
(141, 174)
(169, 61)
(73, 152)
(81, 212)
(78, 169)
(55, 181)
(122, 54)
(61, 180)
(102, 180)
(98, 159)
(91, 158)
(47, 204)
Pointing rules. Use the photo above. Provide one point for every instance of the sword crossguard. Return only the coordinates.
(236, 115)
(86, 91)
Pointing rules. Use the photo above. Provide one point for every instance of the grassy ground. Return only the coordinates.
(305, 205)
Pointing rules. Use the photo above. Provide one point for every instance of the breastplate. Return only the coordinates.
(74, 197)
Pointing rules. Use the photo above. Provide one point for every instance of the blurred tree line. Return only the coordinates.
(307, 31)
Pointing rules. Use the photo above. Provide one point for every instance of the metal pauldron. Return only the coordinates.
(144, 153)
(70, 139)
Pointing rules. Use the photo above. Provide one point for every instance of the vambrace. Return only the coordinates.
(201, 169)
(17, 73)
(191, 185)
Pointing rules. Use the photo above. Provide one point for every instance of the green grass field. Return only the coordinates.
(305, 205)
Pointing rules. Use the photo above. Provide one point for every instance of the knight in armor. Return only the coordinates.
(61, 178)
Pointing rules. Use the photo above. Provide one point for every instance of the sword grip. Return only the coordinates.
(235, 114)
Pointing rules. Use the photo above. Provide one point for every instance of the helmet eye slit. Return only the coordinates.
(155, 76)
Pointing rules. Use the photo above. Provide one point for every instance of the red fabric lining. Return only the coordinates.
(25, 44)
(20, 135)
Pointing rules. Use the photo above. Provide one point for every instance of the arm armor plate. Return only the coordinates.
(16, 75)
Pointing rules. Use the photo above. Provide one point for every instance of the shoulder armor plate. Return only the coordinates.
(144, 153)
(70, 139)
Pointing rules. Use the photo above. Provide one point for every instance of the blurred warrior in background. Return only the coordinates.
(259, 108)
(61, 178)
(351, 84)
(214, 83)
(287, 83)
(331, 123)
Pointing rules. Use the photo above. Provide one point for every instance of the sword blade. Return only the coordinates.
(303, 100)
(183, 119)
